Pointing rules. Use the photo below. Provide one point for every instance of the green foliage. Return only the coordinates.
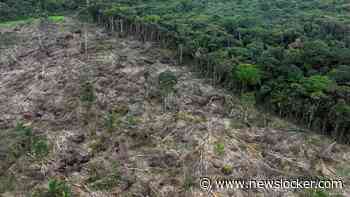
(189, 182)
(317, 193)
(219, 148)
(132, 121)
(316, 52)
(40, 147)
(343, 171)
(292, 73)
(227, 169)
(87, 94)
(23, 130)
(104, 179)
(118, 9)
(56, 19)
(317, 83)
(151, 18)
(16, 22)
(341, 112)
(7, 183)
(167, 82)
(247, 74)
(29, 20)
(247, 99)
(57, 188)
(341, 74)
(37, 145)
(22, 9)
(112, 121)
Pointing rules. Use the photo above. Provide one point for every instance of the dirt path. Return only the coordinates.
(123, 143)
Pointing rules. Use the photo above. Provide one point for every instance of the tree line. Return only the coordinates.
(20, 9)
(295, 55)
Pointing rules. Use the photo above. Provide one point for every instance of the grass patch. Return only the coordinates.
(189, 182)
(219, 148)
(16, 22)
(343, 171)
(56, 19)
(26, 142)
(227, 169)
(112, 121)
(316, 193)
(7, 183)
(104, 178)
(132, 121)
(55, 188)
(87, 93)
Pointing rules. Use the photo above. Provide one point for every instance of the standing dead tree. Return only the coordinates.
(167, 82)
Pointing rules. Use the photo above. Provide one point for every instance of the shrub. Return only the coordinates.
(58, 188)
(247, 74)
(105, 179)
(56, 19)
(87, 94)
(112, 121)
(151, 18)
(167, 81)
(317, 83)
(219, 148)
(40, 147)
(227, 169)
(37, 145)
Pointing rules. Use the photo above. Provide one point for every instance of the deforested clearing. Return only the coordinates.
(94, 109)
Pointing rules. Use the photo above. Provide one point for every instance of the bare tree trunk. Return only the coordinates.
(112, 24)
(86, 33)
(180, 48)
(121, 26)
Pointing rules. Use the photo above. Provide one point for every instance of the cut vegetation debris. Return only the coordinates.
(101, 128)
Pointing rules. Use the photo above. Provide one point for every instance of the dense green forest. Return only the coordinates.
(294, 55)
(19, 9)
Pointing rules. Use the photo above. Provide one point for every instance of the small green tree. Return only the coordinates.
(341, 113)
(315, 87)
(248, 101)
(316, 53)
(58, 188)
(40, 147)
(317, 83)
(167, 82)
(341, 74)
(247, 74)
(151, 18)
(87, 93)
